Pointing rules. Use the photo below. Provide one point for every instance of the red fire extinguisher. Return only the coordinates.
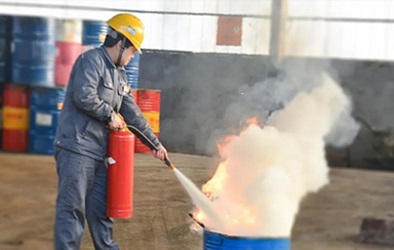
(120, 174)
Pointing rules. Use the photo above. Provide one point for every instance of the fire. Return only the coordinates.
(221, 144)
(216, 184)
(267, 169)
(253, 120)
(211, 187)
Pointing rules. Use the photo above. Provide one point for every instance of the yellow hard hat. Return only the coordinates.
(129, 26)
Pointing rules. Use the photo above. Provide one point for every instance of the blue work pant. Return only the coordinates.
(82, 193)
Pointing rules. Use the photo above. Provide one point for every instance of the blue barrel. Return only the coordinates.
(93, 33)
(132, 71)
(45, 106)
(5, 48)
(33, 55)
(216, 241)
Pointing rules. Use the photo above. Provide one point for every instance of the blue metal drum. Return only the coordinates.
(94, 32)
(45, 106)
(5, 48)
(216, 241)
(33, 55)
(132, 71)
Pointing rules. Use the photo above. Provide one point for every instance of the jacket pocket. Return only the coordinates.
(106, 89)
(124, 88)
(95, 134)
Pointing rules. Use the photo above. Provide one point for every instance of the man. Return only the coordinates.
(97, 91)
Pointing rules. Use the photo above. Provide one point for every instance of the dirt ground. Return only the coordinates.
(327, 220)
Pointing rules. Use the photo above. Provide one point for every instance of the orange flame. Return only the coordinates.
(222, 144)
(216, 184)
(253, 120)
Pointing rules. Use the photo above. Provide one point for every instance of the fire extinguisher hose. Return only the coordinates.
(146, 140)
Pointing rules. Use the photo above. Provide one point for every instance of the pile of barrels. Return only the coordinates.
(36, 58)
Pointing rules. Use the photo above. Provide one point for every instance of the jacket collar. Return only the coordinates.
(108, 60)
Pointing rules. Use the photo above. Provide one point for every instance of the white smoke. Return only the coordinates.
(267, 171)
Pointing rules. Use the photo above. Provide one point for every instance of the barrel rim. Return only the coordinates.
(245, 237)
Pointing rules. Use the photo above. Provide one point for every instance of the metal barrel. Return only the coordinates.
(15, 118)
(68, 48)
(148, 100)
(1, 112)
(45, 106)
(33, 52)
(216, 241)
(5, 48)
(93, 33)
(132, 71)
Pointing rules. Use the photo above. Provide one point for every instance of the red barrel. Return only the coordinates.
(135, 95)
(141, 148)
(66, 54)
(120, 174)
(15, 118)
(149, 102)
(68, 48)
(1, 111)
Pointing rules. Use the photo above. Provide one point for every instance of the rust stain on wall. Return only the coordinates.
(229, 31)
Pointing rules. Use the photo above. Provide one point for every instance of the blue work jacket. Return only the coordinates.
(97, 87)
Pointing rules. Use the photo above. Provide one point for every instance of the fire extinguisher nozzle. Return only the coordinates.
(169, 164)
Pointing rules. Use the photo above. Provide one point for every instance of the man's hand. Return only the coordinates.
(160, 153)
(116, 123)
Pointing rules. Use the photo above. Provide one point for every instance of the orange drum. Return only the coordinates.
(15, 118)
(149, 102)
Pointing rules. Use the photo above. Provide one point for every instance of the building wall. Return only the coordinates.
(359, 30)
(175, 25)
(207, 96)
(203, 84)
(339, 29)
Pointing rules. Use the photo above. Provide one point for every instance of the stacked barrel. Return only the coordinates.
(15, 117)
(36, 59)
(32, 67)
(132, 71)
(149, 102)
(45, 106)
(68, 48)
(33, 55)
(5, 60)
(5, 48)
(1, 112)
(93, 34)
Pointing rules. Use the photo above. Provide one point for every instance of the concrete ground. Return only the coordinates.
(328, 220)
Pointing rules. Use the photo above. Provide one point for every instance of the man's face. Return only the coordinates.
(128, 54)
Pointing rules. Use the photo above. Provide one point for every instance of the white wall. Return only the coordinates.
(350, 29)
(181, 25)
(366, 9)
(241, 7)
